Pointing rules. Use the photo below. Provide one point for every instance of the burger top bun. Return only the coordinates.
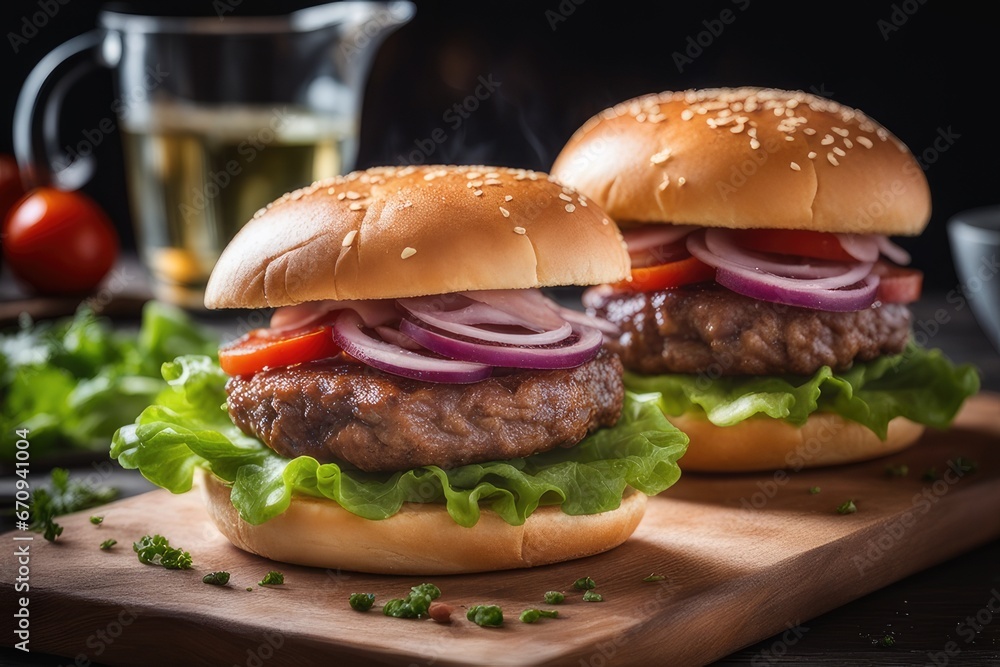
(747, 158)
(400, 232)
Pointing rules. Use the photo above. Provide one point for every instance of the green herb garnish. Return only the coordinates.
(584, 584)
(888, 641)
(554, 597)
(486, 616)
(220, 578)
(847, 507)
(654, 577)
(107, 544)
(415, 604)
(814, 490)
(361, 601)
(97, 520)
(532, 615)
(249, 588)
(156, 550)
(272, 578)
(897, 470)
(63, 496)
(591, 596)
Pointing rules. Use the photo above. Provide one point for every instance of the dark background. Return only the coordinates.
(924, 71)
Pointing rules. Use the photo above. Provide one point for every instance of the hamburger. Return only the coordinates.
(766, 303)
(416, 404)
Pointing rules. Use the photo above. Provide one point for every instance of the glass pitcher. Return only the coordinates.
(219, 116)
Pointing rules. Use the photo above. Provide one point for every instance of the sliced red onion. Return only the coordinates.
(653, 236)
(349, 332)
(587, 320)
(720, 247)
(575, 352)
(861, 247)
(528, 304)
(469, 318)
(840, 300)
(892, 251)
(372, 312)
(391, 335)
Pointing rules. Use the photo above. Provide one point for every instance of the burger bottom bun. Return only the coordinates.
(770, 444)
(421, 538)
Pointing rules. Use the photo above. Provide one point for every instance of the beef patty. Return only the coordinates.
(340, 410)
(708, 328)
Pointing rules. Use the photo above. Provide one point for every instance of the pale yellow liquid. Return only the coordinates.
(196, 176)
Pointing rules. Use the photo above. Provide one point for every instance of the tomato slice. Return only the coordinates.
(672, 274)
(818, 245)
(267, 348)
(898, 284)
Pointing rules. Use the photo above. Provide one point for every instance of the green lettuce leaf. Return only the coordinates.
(920, 385)
(189, 427)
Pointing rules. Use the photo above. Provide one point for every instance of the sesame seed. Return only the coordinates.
(565, 197)
(795, 166)
(570, 208)
(832, 159)
(848, 143)
(330, 191)
(865, 141)
(341, 196)
(520, 230)
(583, 201)
(839, 151)
(508, 197)
(478, 193)
(349, 238)
(407, 204)
(477, 184)
(736, 129)
(661, 157)
(811, 155)
(810, 131)
(407, 252)
(789, 138)
(427, 177)
(681, 181)
(356, 206)
(493, 174)
(665, 183)
(473, 174)
(827, 140)
(492, 181)
(605, 221)
(687, 114)
(351, 194)
(505, 212)
(752, 132)
(841, 131)
(754, 144)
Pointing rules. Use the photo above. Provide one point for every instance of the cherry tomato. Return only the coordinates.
(672, 274)
(898, 284)
(818, 245)
(58, 242)
(10, 184)
(268, 348)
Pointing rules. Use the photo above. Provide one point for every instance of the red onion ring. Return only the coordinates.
(465, 321)
(861, 247)
(585, 319)
(349, 332)
(645, 238)
(575, 352)
(372, 312)
(838, 300)
(892, 251)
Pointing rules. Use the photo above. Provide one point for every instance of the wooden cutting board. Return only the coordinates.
(745, 557)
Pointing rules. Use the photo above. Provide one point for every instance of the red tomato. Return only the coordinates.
(673, 274)
(10, 184)
(267, 348)
(818, 245)
(59, 242)
(898, 284)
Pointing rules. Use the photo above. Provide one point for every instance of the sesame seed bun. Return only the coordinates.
(770, 444)
(421, 539)
(747, 158)
(399, 232)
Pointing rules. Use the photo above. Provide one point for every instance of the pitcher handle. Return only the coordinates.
(36, 115)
